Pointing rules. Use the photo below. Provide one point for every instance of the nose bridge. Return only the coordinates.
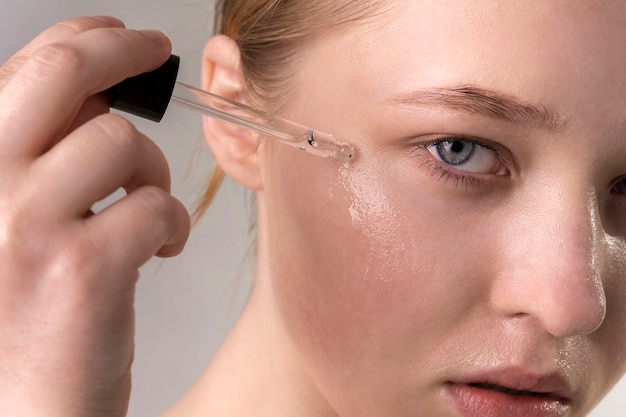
(552, 269)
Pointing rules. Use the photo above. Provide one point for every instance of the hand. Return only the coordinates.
(67, 275)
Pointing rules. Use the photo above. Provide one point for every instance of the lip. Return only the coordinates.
(510, 393)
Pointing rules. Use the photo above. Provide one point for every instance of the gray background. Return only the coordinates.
(186, 305)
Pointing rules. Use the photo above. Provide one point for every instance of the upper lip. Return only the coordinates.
(551, 384)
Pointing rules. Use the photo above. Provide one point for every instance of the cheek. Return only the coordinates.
(357, 267)
(610, 338)
(333, 273)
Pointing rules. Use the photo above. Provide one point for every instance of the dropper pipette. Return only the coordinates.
(148, 95)
(285, 131)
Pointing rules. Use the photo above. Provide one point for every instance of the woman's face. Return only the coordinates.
(470, 260)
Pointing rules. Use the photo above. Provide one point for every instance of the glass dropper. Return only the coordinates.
(148, 95)
(282, 130)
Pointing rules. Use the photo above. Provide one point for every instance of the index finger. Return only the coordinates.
(41, 100)
(56, 33)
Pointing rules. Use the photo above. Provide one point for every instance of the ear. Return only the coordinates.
(234, 148)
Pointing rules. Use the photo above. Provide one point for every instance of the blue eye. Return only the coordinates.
(455, 152)
(467, 155)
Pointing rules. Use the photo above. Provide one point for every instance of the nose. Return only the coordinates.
(551, 264)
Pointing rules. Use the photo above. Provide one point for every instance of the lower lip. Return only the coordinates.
(480, 402)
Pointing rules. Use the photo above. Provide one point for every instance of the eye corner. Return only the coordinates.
(618, 186)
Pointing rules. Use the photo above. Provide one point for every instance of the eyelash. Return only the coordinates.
(445, 172)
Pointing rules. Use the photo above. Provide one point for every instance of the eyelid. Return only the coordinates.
(433, 139)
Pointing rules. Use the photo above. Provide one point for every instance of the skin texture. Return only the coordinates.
(382, 281)
(67, 275)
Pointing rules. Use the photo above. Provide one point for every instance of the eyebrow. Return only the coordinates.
(472, 99)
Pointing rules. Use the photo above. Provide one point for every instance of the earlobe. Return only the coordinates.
(234, 148)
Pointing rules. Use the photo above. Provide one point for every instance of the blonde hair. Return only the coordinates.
(269, 34)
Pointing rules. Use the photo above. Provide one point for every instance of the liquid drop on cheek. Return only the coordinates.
(375, 219)
(355, 208)
(357, 219)
(354, 195)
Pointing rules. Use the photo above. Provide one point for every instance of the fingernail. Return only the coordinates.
(109, 21)
(156, 36)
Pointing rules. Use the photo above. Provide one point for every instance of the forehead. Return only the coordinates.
(563, 54)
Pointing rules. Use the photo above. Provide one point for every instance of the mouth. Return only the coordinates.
(511, 393)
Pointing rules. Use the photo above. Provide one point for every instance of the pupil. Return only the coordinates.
(457, 146)
(455, 152)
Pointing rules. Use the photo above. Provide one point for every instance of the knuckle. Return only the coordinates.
(17, 218)
(118, 130)
(12, 66)
(73, 27)
(76, 266)
(58, 56)
(171, 222)
(160, 206)
(71, 257)
(156, 201)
